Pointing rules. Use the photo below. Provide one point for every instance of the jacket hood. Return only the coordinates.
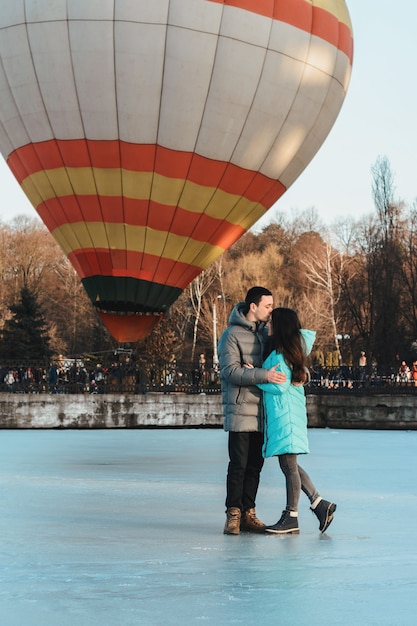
(309, 337)
(238, 318)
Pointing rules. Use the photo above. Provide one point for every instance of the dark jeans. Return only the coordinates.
(245, 464)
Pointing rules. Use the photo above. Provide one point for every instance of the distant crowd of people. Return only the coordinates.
(63, 377)
(350, 377)
(73, 376)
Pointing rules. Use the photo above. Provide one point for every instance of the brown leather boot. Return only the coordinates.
(250, 523)
(232, 525)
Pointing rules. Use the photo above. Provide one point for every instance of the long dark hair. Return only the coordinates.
(286, 338)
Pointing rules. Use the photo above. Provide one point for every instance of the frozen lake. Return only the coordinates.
(124, 527)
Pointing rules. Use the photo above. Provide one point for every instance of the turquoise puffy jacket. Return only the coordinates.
(285, 429)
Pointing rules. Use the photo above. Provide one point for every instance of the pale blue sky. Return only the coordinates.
(378, 118)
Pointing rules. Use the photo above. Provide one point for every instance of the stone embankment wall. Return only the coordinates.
(393, 412)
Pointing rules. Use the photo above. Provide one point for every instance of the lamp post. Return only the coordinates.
(215, 355)
(342, 345)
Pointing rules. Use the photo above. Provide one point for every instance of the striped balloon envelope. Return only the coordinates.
(151, 134)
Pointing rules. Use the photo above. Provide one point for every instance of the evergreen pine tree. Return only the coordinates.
(24, 337)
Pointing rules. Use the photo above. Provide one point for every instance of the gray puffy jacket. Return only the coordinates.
(242, 342)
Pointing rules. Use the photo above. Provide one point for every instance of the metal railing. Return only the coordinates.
(145, 375)
(361, 380)
(138, 376)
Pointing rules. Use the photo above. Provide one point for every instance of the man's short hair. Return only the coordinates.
(254, 295)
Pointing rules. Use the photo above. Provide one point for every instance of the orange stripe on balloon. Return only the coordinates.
(302, 15)
(52, 154)
(261, 7)
(326, 26)
(346, 40)
(91, 262)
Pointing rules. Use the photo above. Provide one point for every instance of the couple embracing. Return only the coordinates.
(262, 357)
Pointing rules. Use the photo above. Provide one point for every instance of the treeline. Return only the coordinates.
(354, 283)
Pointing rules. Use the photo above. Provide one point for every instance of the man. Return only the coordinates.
(241, 353)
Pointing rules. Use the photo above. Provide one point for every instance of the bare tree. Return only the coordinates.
(409, 271)
(255, 268)
(196, 290)
(321, 265)
(388, 258)
(69, 305)
(215, 309)
(383, 195)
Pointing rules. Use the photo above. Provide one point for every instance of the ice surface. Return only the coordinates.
(124, 527)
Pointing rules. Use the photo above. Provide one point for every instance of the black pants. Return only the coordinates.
(245, 464)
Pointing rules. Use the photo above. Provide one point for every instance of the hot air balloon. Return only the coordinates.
(150, 135)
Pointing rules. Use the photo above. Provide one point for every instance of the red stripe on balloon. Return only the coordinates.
(346, 40)
(53, 154)
(302, 15)
(262, 7)
(92, 262)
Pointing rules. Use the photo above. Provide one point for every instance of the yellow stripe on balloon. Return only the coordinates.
(163, 193)
(78, 236)
(60, 182)
(338, 8)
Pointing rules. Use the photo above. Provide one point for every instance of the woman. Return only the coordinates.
(285, 433)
